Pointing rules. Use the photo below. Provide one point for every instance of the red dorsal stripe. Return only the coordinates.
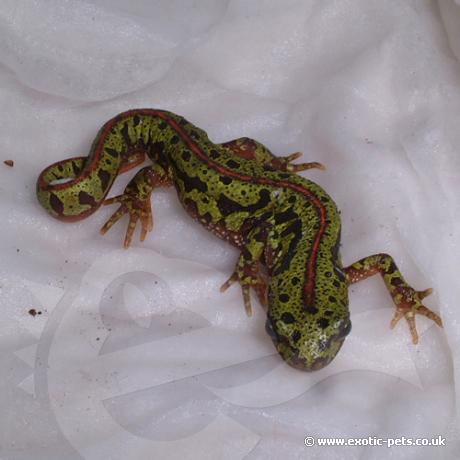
(318, 205)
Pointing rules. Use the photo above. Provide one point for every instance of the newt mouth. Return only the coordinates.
(328, 349)
(296, 361)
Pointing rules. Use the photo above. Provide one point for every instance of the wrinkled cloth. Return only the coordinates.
(112, 353)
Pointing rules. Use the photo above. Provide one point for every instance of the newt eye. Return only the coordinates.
(344, 329)
(270, 330)
(340, 273)
(322, 345)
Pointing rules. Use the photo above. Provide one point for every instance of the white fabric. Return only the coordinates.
(136, 354)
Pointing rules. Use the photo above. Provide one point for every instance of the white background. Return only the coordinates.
(136, 354)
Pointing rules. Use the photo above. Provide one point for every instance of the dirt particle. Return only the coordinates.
(34, 312)
(9, 163)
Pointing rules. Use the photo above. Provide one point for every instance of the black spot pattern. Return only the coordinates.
(233, 164)
(228, 206)
(311, 309)
(287, 318)
(296, 336)
(112, 152)
(295, 228)
(191, 182)
(56, 204)
(225, 180)
(392, 268)
(285, 216)
(214, 154)
(86, 198)
(75, 168)
(125, 134)
(104, 177)
(284, 298)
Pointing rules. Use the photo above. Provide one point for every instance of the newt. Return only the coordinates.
(286, 227)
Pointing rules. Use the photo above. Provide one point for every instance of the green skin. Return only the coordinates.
(287, 227)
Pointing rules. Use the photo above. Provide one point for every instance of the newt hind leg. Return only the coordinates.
(407, 300)
(253, 150)
(135, 201)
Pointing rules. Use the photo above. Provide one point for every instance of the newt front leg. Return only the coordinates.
(407, 300)
(250, 149)
(247, 270)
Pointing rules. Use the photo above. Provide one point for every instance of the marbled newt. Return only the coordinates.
(286, 227)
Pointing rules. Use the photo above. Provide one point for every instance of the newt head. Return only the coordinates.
(308, 337)
(307, 349)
